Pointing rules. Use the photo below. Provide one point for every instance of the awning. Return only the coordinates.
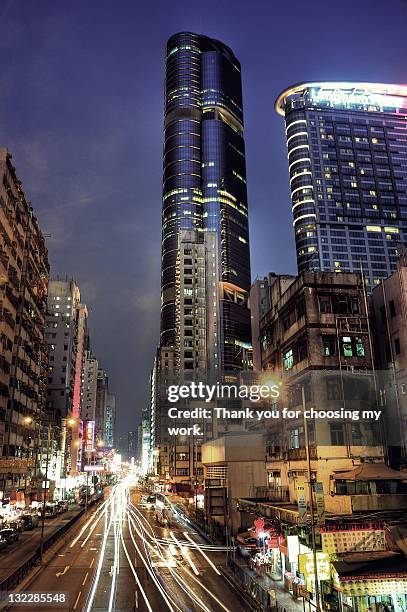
(399, 536)
(370, 471)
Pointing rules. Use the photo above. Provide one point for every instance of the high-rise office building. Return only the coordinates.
(204, 183)
(347, 156)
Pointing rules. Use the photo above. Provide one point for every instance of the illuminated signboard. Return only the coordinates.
(347, 98)
(89, 435)
(306, 566)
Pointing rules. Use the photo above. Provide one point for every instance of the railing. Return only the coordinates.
(272, 493)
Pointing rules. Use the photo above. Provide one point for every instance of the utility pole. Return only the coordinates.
(45, 492)
(311, 501)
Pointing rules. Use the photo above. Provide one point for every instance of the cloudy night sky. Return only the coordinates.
(81, 110)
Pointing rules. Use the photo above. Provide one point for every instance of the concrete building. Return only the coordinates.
(234, 467)
(61, 335)
(316, 339)
(89, 389)
(24, 273)
(102, 391)
(110, 419)
(389, 300)
(259, 305)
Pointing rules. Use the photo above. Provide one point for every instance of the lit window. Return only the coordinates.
(288, 359)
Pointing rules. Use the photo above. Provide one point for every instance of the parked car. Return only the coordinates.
(10, 535)
(3, 544)
(63, 505)
(30, 520)
(50, 510)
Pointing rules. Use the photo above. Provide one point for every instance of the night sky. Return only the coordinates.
(81, 110)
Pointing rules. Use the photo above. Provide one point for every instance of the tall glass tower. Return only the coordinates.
(204, 182)
(347, 156)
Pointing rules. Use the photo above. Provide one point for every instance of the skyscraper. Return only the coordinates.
(204, 182)
(347, 155)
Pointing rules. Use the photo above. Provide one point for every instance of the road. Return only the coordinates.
(121, 560)
(16, 554)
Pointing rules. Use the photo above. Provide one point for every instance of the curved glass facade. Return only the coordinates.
(347, 158)
(204, 182)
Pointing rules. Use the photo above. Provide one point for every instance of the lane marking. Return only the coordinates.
(85, 579)
(64, 572)
(76, 600)
(92, 562)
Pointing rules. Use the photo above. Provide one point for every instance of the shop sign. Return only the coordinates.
(17, 463)
(320, 502)
(361, 538)
(306, 565)
(302, 503)
(361, 586)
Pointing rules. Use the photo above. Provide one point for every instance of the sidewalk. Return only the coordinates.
(259, 587)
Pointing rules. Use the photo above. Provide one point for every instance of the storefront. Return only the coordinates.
(372, 586)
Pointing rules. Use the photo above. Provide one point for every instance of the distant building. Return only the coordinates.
(102, 391)
(66, 330)
(348, 175)
(24, 273)
(89, 388)
(110, 419)
(132, 443)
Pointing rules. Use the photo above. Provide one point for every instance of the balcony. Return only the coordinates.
(275, 494)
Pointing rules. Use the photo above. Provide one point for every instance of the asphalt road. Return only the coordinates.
(16, 554)
(119, 559)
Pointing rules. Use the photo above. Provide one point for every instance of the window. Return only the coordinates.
(288, 359)
(300, 308)
(333, 389)
(392, 308)
(294, 438)
(287, 322)
(182, 472)
(397, 348)
(347, 346)
(329, 345)
(337, 434)
(360, 347)
(325, 304)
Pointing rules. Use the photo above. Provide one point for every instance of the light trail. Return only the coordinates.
(205, 556)
(218, 601)
(107, 527)
(88, 523)
(180, 582)
(185, 554)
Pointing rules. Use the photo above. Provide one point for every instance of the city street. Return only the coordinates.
(121, 560)
(16, 554)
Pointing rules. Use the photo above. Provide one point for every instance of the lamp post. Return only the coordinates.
(29, 420)
(44, 501)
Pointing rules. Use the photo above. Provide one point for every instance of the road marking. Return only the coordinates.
(92, 548)
(76, 600)
(61, 555)
(91, 563)
(85, 579)
(64, 572)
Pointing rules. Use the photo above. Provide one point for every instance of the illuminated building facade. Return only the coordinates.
(204, 183)
(347, 156)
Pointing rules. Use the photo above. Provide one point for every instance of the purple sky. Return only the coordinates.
(81, 110)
